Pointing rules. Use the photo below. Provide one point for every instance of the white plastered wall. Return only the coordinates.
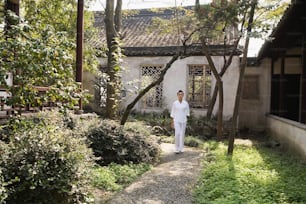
(176, 78)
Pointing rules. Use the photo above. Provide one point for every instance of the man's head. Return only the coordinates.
(180, 95)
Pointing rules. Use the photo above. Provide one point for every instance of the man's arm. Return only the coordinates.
(188, 109)
(172, 115)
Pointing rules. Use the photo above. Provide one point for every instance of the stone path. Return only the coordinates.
(169, 182)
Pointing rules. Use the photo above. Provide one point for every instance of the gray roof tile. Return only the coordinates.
(138, 41)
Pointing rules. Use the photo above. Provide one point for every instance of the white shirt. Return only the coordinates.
(180, 111)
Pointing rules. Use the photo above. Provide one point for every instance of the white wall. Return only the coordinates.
(176, 78)
(291, 134)
(252, 113)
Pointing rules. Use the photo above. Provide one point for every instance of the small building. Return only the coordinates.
(278, 79)
(147, 51)
(274, 92)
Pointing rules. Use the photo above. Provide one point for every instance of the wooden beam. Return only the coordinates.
(14, 1)
(282, 111)
(303, 87)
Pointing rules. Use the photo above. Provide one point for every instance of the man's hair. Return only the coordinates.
(180, 91)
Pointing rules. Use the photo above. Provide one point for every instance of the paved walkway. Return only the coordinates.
(169, 182)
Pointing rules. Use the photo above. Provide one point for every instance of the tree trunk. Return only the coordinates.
(220, 87)
(212, 103)
(112, 27)
(227, 63)
(148, 88)
(240, 83)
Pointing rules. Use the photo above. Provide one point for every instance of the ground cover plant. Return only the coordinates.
(115, 177)
(255, 174)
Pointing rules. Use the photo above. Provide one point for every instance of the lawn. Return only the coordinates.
(254, 174)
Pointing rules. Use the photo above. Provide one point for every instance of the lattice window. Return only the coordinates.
(199, 86)
(152, 99)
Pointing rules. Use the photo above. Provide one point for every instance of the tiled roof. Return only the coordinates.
(195, 50)
(139, 41)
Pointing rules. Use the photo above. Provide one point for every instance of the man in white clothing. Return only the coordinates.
(179, 113)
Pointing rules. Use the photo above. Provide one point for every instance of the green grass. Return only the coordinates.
(114, 177)
(255, 174)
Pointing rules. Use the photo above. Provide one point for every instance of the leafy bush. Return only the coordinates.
(46, 59)
(104, 178)
(49, 164)
(196, 126)
(137, 127)
(113, 144)
(193, 141)
(3, 193)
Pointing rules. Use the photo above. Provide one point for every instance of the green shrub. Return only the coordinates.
(193, 141)
(104, 178)
(113, 144)
(49, 164)
(137, 127)
(3, 193)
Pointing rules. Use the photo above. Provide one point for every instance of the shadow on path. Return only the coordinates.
(169, 182)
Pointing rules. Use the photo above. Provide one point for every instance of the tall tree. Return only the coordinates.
(215, 20)
(226, 15)
(241, 76)
(112, 29)
(62, 16)
(45, 48)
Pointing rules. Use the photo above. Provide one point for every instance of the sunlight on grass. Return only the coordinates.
(254, 174)
(115, 176)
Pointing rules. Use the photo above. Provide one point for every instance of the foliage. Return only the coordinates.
(198, 127)
(125, 174)
(62, 16)
(201, 127)
(50, 164)
(193, 141)
(115, 176)
(112, 143)
(154, 119)
(182, 21)
(3, 193)
(255, 174)
(138, 127)
(267, 16)
(104, 178)
(44, 59)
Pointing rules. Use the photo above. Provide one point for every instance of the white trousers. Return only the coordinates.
(179, 132)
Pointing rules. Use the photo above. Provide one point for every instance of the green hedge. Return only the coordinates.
(48, 163)
(111, 143)
(3, 193)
